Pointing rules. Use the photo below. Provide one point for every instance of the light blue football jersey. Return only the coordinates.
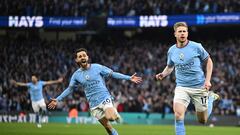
(35, 90)
(188, 64)
(92, 81)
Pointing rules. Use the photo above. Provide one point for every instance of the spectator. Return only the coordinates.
(53, 59)
(115, 7)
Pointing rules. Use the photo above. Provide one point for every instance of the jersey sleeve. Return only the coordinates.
(28, 85)
(169, 60)
(73, 81)
(42, 82)
(120, 76)
(65, 93)
(203, 54)
(69, 89)
(107, 72)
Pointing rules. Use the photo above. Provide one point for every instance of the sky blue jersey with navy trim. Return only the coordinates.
(35, 90)
(188, 64)
(92, 81)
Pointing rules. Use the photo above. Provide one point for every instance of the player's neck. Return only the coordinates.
(34, 82)
(182, 44)
(85, 67)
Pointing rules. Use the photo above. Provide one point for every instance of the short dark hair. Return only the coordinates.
(79, 50)
(35, 74)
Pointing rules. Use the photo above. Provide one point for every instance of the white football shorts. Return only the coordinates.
(36, 105)
(199, 97)
(99, 111)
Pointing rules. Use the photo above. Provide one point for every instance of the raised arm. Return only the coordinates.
(18, 83)
(167, 70)
(54, 81)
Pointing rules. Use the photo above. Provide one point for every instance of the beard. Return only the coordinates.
(83, 63)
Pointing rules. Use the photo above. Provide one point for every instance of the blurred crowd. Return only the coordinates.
(52, 59)
(115, 7)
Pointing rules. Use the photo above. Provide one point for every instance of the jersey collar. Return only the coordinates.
(86, 68)
(184, 45)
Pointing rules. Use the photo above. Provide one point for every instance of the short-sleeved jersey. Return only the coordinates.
(35, 90)
(188, 64)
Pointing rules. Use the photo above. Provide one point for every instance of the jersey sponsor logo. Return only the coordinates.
(25, 21)
(183, 67)
(91, 84)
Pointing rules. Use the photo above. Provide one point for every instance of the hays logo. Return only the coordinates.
(25, 21)
(153, 21)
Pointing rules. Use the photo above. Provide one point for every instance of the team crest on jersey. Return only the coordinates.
(87, 77)
(181, 56)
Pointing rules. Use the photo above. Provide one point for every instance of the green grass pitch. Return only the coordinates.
(80, 129)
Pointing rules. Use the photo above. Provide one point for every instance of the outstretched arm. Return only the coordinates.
(168, 70)
(106, 72)
(54, 81)
(54, 101)
(134, 78)
(66, 92)
(17, 83)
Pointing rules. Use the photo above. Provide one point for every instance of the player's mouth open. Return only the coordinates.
(83, 61)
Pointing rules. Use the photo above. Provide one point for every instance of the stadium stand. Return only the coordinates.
(21, 56)
(115, 7)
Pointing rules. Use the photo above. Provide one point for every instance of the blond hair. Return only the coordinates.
(179, 24)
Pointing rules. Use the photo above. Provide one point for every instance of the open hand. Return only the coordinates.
(60, 80)
(52, 104)
(136, 79)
